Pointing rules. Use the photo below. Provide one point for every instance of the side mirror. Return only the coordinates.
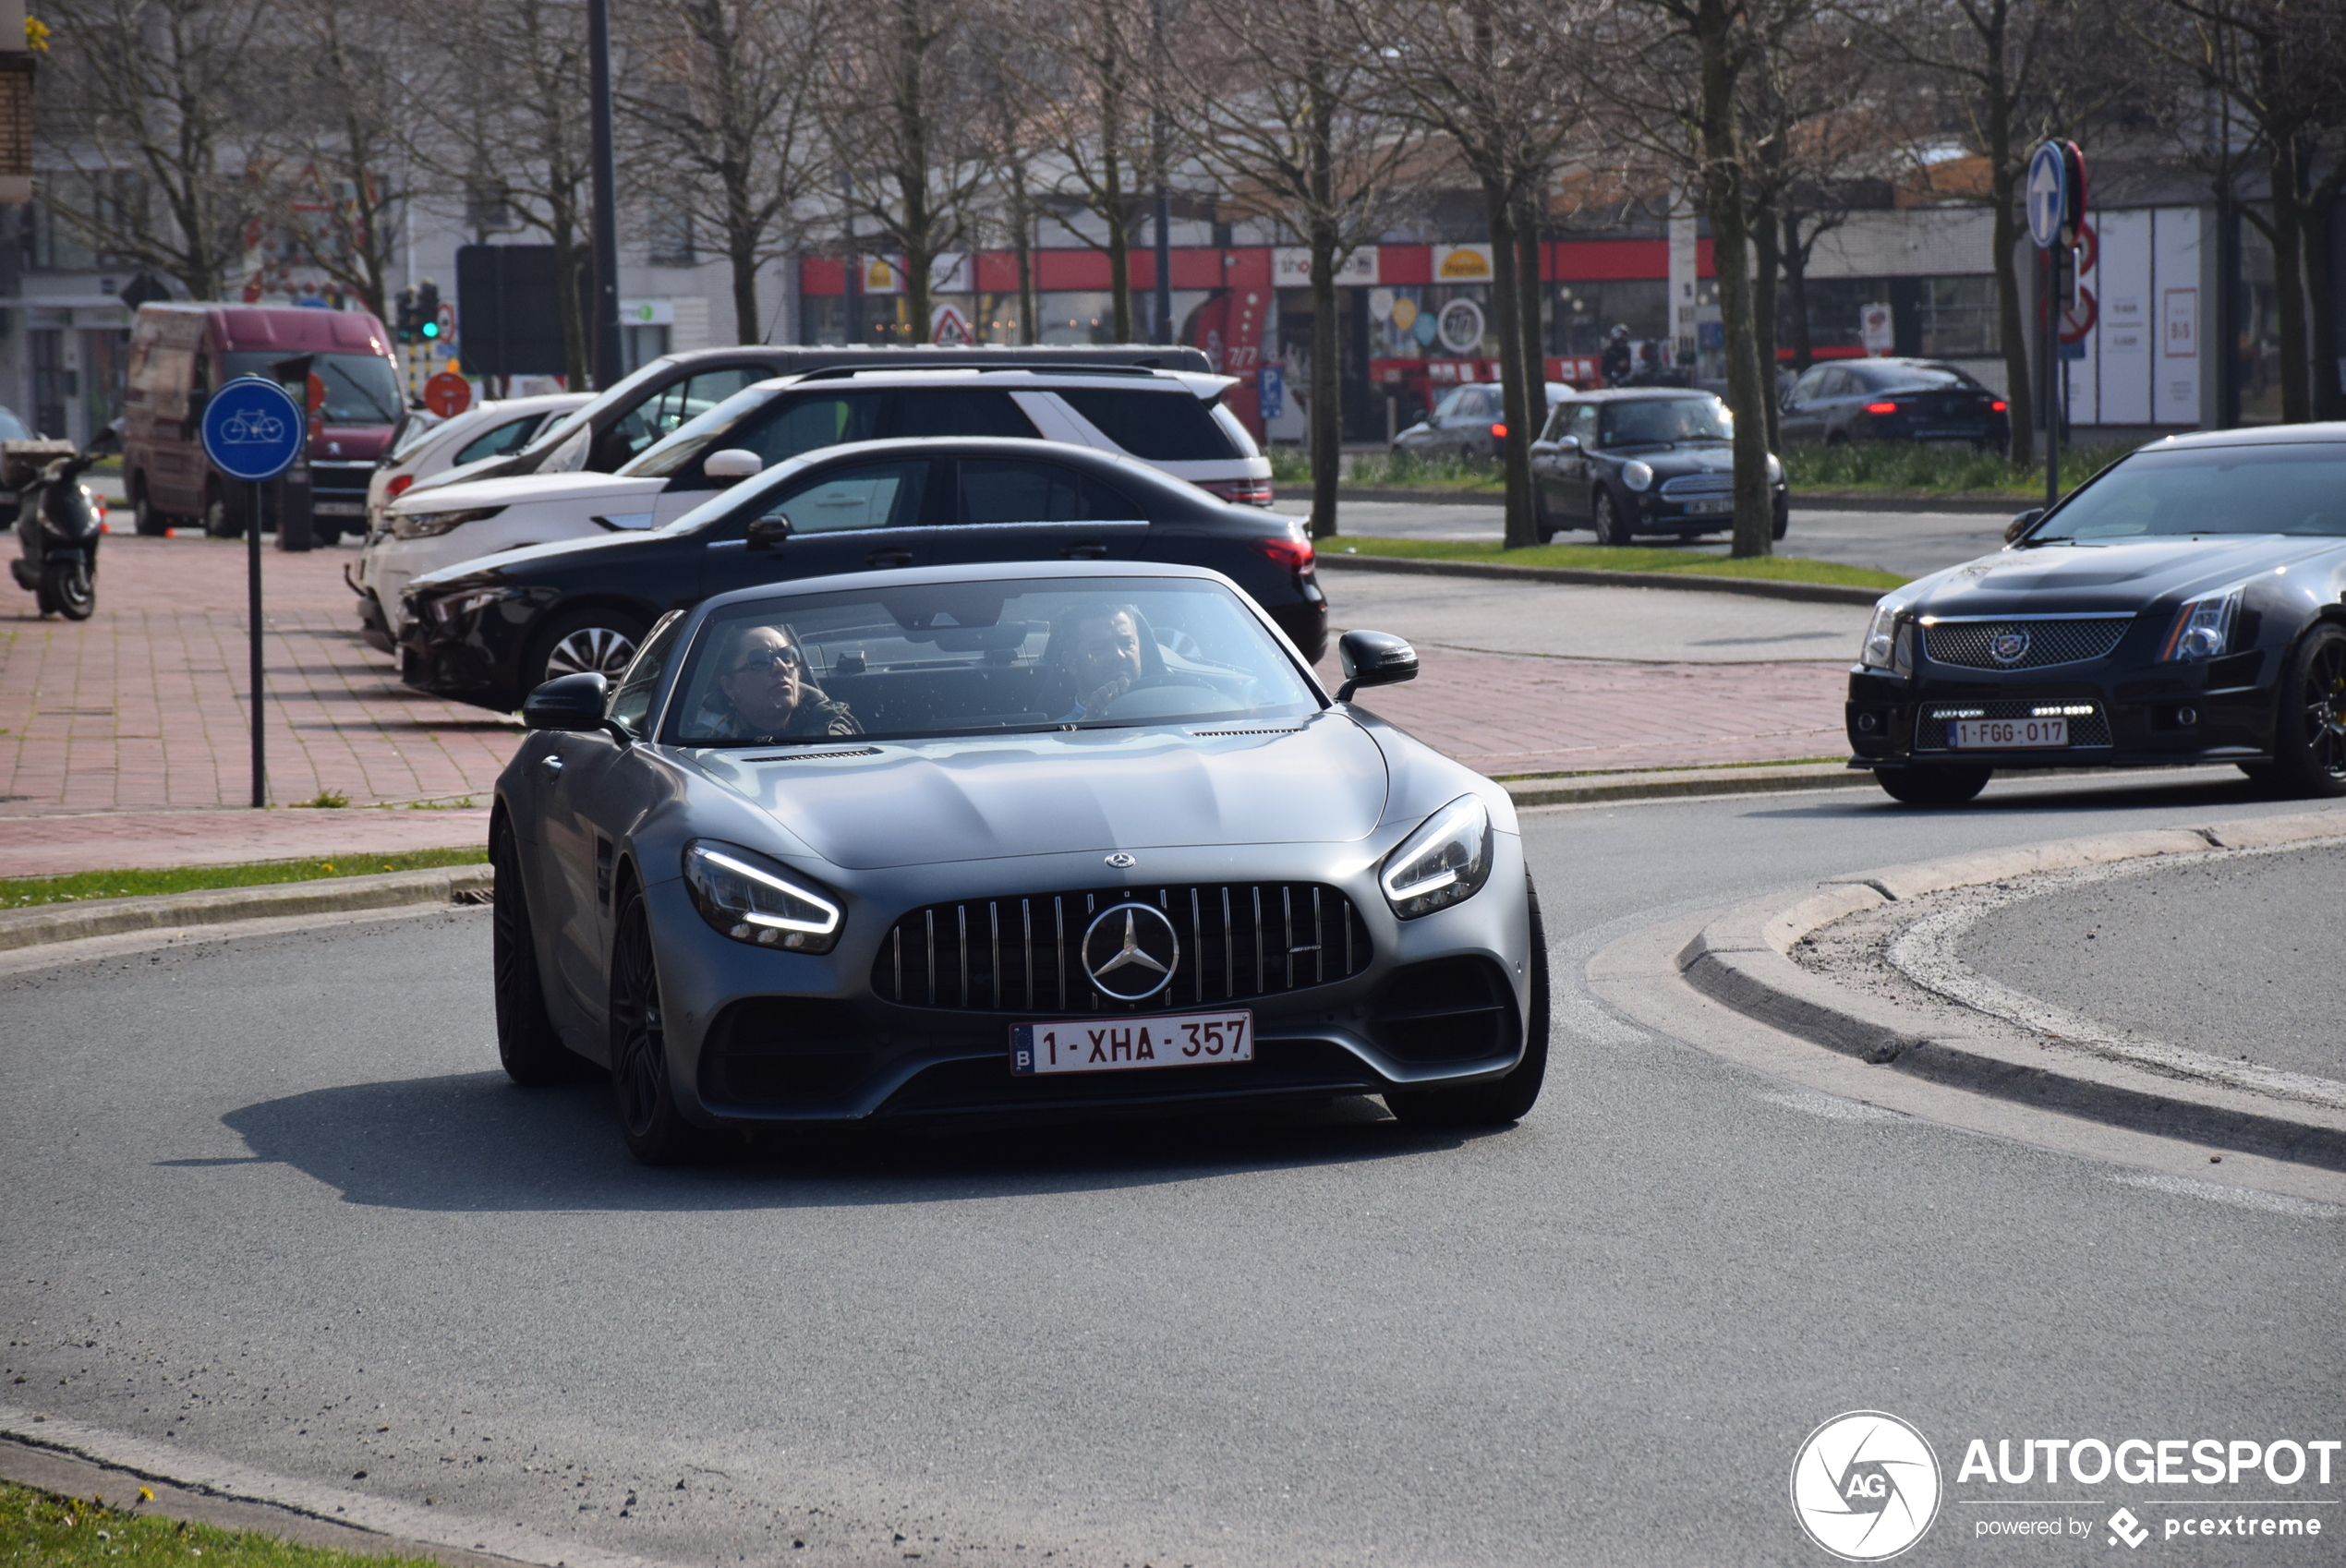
(1373, 658)
(767, 532)
(1568, 443)
(732, 462)
(2021, 524)
(567, 701)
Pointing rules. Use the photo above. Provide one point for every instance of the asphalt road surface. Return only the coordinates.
(1910, 542)
(270, 1200)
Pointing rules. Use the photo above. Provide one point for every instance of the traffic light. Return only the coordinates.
(428, 310)
(407, 323)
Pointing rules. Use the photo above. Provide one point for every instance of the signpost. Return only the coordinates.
(2054, 190)
(252, 430)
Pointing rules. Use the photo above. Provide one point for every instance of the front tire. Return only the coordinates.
(1610, 529)
(642, 1086)
(532, 1053)
(1932, 785)
(1504, 1099)
(1539, 518)
(595, 638)
(2309, 734)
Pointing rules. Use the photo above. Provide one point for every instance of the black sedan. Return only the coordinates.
(489, 631)
(1649, 460)
(2186, 606)
(1891, 399)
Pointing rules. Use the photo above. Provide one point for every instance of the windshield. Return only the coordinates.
(963, 658)
(698, 435)
(1653, 421)
(361, 389)
(2296, 489)
(622, 391)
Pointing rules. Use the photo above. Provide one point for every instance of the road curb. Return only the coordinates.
(110, 917)
(1819, 500)
(1682, 582)
(1673, 783)
(1741, 958)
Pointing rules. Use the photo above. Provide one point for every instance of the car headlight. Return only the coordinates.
(1887, 642)
(1447, 860)
(450, 608)
(2204, 627)
(1775, 470)
(749, 899)
(1636, 474)
(432, 524)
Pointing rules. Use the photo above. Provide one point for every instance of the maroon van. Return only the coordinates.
(180, 354)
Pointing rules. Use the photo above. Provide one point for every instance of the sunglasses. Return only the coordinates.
(772, 658)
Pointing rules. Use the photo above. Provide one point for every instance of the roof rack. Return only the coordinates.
(1057, 368)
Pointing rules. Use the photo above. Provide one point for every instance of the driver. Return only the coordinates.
(766, 694)
(1099, 647)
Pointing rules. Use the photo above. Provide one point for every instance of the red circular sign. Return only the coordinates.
(448, 395)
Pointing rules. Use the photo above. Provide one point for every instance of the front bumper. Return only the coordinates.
(758, 1037)
(1654, 513)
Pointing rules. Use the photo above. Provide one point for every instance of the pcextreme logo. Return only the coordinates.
(1864, 1486)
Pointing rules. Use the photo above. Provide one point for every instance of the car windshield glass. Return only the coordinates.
(413, 434)
(1915, 378)
(621, 393)
(360, 388)
(1649, 421)
(963, 658)
(2294, 488)
(698, 434)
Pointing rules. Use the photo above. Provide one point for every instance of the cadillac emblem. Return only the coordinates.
(2008, 647)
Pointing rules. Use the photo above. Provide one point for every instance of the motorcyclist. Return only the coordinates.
(1615, 362)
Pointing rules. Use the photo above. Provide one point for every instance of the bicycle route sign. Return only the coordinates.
(252, 429)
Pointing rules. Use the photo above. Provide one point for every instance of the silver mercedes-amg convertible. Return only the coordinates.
(1001, 841)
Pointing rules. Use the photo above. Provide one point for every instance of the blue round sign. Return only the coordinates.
(2046, 191)
(252, 429)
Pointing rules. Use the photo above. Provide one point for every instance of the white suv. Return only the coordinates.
(1170, 419)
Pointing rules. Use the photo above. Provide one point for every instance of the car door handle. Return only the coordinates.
(1085, 552)
(550, 766)
(890, 557)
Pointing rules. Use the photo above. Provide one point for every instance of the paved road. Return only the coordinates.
(2239, 958)
(1911, 542)
(270, 1200)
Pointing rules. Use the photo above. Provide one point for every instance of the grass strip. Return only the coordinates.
(65, 1532)
(17, 893)
(1600, 558)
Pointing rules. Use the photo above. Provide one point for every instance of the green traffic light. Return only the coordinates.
(431, 330)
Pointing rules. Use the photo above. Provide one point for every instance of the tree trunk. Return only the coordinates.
(1528, 293)
(1119, 268)
(1764, 238)
(1327, 412)
(572, 306)
(2287, 172)
(1795, 271)
(2321, 277)
(1515, 449)
(741, 253)
(1030, 309)
(2003, 182)
(1730, 258)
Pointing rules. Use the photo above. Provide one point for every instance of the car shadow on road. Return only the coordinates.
(473, 1142)
(2197, 789)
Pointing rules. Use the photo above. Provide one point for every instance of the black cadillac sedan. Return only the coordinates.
(2186, 606)
(489, 631)
(1645, 460)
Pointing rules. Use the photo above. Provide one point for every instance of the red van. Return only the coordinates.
(179, 353)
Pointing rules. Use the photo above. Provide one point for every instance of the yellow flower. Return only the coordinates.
(36, 35)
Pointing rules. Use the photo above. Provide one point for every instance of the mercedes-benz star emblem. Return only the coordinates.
(2008, 647)
(1123, 861)
(1130, 952)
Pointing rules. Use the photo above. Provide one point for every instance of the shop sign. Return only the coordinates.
(1876, 333)
(1461, 263)
(881, 277)
(1291, 268)
(1461, 326)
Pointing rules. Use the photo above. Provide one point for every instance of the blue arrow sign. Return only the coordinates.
(252, 429)
(2047, 192)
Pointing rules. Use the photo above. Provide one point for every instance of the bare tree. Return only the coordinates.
(1293, 130)
(152, 106)
(1012, 143)
(723, 112)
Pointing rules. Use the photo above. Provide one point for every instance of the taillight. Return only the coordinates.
(398, 486)
(1244, 492)
(1996, 408)
(1498, 432)
(1882, 408)
(1288, 549)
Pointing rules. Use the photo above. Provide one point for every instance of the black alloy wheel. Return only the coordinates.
(528, 1046)
(149, 523)
(596, 638)
(1502, 1100)
(2309, 739)
(1933, 786)
(1610, 529)
(68, 587)
(655, 1131)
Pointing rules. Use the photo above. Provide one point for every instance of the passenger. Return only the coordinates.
(766, 694)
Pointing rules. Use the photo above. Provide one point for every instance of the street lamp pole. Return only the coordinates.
(603, 316)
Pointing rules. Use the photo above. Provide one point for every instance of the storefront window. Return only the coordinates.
(1581, 316)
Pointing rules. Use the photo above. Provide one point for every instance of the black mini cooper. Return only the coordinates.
(1644, 460)
(2188, 605)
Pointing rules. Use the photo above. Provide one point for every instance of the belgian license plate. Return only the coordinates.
(1711, 508)
(338, 508)
(2006, 734)
(1169, 1040)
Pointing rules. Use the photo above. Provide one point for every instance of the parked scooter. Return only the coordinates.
(59, 522)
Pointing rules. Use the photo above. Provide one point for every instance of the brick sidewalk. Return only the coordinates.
(123, 740)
